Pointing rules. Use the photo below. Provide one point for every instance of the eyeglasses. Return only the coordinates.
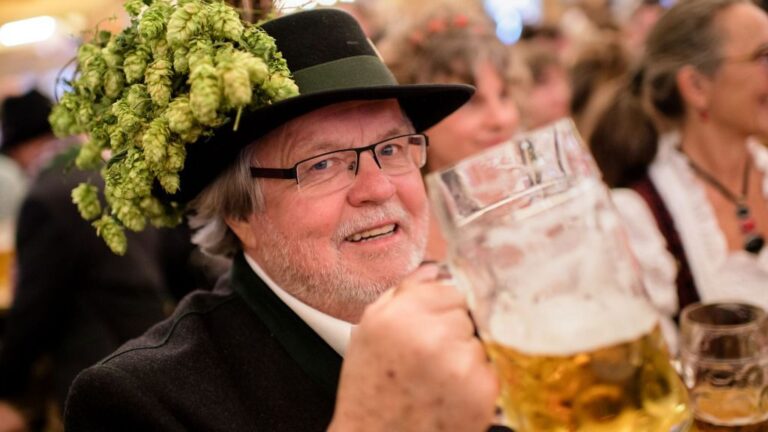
(335, 170)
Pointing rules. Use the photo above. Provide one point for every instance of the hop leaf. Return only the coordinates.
(85, 196)
(113, 235)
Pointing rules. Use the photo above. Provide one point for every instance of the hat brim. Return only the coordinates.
(424, 104)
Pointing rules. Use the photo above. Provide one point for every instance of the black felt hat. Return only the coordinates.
(331, 61)
(23, 118)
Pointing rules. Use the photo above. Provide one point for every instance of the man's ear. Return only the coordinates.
(243, 231)
(694, 87)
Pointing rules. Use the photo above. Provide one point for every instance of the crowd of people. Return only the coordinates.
(303, 295)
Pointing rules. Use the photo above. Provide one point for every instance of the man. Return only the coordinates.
(320, 202)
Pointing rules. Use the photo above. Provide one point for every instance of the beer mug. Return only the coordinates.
(539, 251)
(724, 359)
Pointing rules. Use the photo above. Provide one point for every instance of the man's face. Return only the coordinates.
(310, 243)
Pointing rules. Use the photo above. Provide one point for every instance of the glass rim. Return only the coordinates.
(759, 317)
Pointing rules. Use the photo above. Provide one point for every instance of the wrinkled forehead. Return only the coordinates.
(338, 126)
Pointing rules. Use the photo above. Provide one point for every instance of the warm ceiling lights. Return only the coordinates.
(27, 31)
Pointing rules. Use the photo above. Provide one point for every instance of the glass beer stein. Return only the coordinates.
(724, 358)
(539, 251)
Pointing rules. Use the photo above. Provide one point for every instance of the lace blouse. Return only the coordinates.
(719, 274)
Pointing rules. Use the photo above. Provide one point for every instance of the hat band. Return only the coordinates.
(342, 74)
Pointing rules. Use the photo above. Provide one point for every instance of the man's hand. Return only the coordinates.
(11, 419)
(413, 364)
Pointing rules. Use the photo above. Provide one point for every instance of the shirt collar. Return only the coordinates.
(333, 331)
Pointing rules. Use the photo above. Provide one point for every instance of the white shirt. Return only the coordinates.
(719, 273)
(334, 331)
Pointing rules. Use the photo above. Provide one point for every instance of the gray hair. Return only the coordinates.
(685, 35)
(233, 195)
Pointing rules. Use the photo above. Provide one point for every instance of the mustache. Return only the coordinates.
(372, 217)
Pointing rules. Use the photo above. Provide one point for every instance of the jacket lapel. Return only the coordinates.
(305, 346)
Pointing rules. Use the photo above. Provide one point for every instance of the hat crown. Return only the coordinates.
(304, 38)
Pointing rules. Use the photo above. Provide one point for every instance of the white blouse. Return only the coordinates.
(719, 274)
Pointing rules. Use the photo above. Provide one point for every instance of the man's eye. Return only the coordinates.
(390, 150)
(321, 165)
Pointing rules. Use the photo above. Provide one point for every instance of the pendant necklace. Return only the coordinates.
(753, 241)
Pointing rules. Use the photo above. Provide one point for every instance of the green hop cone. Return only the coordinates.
(200, 54)
(135, 64)
(89, 156)
(181, 59)
(205, 94)
(152, 22)
(158, 79)
(225, 22)
(237, 87)
(93, 74)
(279, 86)
(114, 81)
(129, 214)
(185, 22)
(86, 197)
(179, 115)
(133, 7)
(176, 155)
(127, 120)
(108, 229)
(117, 140)
(169, 181)
(155, 143)
(256, 68)
(112, 54)
(138, 100)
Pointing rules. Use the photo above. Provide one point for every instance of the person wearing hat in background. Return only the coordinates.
(26, 134)
(327, 320)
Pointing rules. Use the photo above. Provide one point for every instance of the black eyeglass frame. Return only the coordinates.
(292, 173)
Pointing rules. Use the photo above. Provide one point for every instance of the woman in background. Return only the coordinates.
(458, 47)
(705, 85)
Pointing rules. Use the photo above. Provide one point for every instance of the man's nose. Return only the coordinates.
(371, 185)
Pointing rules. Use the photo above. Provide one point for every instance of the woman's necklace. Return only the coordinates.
(753, 241)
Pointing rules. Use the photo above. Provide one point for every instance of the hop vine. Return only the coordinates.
(177, 72)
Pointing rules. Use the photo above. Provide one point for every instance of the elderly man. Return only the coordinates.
(320, 202)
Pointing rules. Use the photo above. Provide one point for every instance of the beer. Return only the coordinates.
(730, 409)
(627, 385)
(6, 279)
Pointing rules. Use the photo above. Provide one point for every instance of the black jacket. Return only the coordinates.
(236, 359)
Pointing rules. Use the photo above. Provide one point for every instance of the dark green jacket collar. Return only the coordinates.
(309, 350)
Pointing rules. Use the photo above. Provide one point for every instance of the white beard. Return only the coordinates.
(329, 285)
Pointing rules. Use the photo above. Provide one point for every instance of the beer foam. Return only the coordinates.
(572, 323)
